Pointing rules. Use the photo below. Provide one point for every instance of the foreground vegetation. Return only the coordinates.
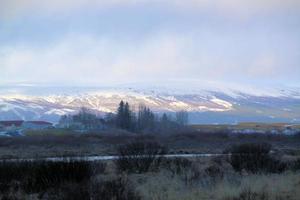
(252, 172)
(52, 143)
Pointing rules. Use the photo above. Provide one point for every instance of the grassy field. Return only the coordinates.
(246, 125)
(233, 187)
(50, 143)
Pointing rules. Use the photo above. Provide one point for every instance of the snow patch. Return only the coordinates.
(221, 102)
(179, 104)
(59, 111)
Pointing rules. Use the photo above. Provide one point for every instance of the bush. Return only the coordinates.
(68, 191)
(116, 189)
(254, 158)
(297, 135)
(184, 169)
(215, 172)
(38, 176)
(139, 156)
(52, 174)
(177, 165)
(295, 165)
(247, 194)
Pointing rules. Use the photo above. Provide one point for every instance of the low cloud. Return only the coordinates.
(88, 59)
(83, 59)
(12, 8)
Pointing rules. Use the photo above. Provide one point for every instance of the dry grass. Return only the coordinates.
(224, 184)
(285, 186)
(52, 143)
(193, 179)
(162, 187)
(246, 125)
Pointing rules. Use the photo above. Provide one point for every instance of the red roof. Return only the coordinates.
(19, 123)
(12, 123)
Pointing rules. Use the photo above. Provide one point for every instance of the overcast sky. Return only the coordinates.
(94, 42)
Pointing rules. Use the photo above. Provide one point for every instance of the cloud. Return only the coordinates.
(128, 44)
(264, 65)
(10, 8)
(86, 59)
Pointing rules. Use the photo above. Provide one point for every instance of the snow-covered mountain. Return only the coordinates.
(205, 103)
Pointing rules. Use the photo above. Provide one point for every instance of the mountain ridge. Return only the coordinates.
(219, 105)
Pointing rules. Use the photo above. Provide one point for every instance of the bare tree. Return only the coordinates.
(182, 118)
(146, 119)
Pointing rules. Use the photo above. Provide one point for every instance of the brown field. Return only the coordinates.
(207, 178)
(246, 125)
(192, 183)
(50, 143)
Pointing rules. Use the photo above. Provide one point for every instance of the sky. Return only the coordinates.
(97, 42)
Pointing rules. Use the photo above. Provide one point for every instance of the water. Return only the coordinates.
(105, 158)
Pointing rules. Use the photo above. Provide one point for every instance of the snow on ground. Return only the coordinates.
(223, 103)
(192, 96)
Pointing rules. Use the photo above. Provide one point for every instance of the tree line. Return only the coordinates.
(143, 120)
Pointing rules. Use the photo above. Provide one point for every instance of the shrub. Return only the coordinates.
(247, 194)
(113, 189)
(184, 169)
(177, 165)
(40, 175)
(139, 156)
(116, 189)
(295, 165)
(214, 172)
(254, 158)
(68, 191)
(297, 135)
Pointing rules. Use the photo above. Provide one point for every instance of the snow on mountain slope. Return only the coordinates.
(49, 103)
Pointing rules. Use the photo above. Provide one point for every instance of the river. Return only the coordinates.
(105, 158)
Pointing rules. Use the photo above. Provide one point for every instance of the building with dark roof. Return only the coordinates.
(20, 125)
(16, 124)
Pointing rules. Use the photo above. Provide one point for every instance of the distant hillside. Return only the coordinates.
(211, 105)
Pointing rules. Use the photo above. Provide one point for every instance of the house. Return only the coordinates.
(16, 128)
(11, 128)
(11, 125)
(18, 125)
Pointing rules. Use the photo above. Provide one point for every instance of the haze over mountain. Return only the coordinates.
(206, 102)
